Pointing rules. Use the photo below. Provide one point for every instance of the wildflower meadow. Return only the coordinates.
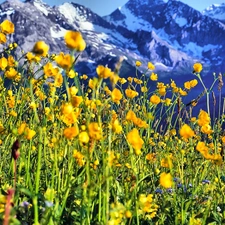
(109, 149)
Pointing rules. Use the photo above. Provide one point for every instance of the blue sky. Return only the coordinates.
(103, 7)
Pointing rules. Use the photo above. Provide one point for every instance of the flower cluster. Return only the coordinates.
(105, 149)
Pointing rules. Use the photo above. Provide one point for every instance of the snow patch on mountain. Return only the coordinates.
(196, 51)
(76, 14)
(57, 31)
(40, 6)
(131, 22)
(161, 66)
(114, 37)
(181, 21)
(8, 12)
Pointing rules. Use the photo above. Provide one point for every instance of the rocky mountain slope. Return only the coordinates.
(178, 26)
(172, 35)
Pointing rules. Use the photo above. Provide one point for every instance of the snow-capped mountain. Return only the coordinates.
(172, 35)
(177, 25)
(34, 20)
(216, 11)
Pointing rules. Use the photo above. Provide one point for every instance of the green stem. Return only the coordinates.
(77, 83)
(32, 98)
(37, 179)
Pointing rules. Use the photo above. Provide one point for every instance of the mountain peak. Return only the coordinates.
(214, 6)
(34, 1)
(216, 11)
(138, 3)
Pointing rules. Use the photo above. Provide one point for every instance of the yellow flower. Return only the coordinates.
(167, 102)
(223, 139)
(47, 111)
(30, 57)
(104, 72)
(151, 66)
(197, 67)
(11, 61)
(107, 90)
(84, 77)
(140, 123)
(58, 80)
(74, 40)
(167, 162)
(79, 157)
(116, 127)
(71, 74)
(114, 78)
(11, 73)
(3, 63)
(83, 137)
(49, 70)
(10, 93)
(7, 27)
(206, 129)
(71, 132)
(135, 140)
(95, 131)
(138, 81)
(190, 84)
(116, 95)
(217, 158)
(131, 116)
(69, 115)
(154, 77)
(21, 128)
(161, 85)
(33, 105)
(138, 63)
(64, 61)
(2, 38)
(173, 132)
(203, 118)
(144, 89)
(1, 127)
(155, 99)
(130, 93)
(3, 200)
(130, 79)
(193, 83)
(182, 92)
(128, 214)
(187, 85)
(162, 91)
(13, 113)
(29, 134)
(186, 131)
(122, 80)
(11, 102)
(151, 157)
(76, 100)
(40, 48)
(92, 83)
(202, 148)
(67, 108)
(166, 180)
